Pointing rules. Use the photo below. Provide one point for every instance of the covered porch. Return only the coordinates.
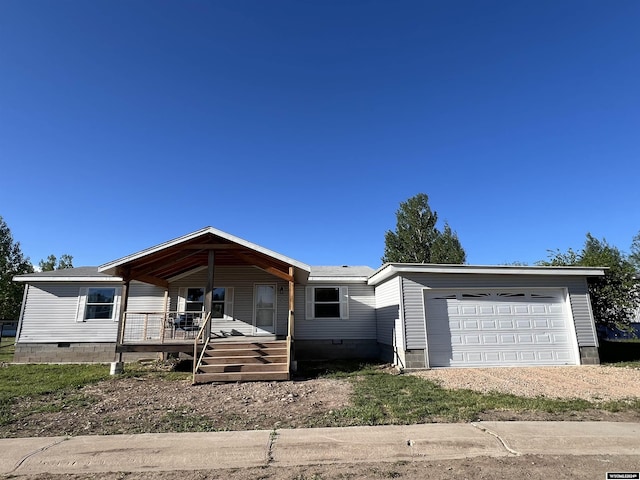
(220, 292)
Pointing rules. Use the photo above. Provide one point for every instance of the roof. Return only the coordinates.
(160, 263)
(77, 274)
(390, 269)
(340, 273)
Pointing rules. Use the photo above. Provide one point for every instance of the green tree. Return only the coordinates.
(615, 296)
(49, 264)
(12, 262)
(417, 239)
(52, 263)
(634, 257)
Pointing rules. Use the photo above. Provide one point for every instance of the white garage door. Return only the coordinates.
(499, 328)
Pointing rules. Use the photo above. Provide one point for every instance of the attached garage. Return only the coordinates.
(433, 316)
(503, 327)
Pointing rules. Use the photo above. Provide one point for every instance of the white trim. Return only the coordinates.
(207, 230)
(318, 279)
(390, 269)
(101, 279)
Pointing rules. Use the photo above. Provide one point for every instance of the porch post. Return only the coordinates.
(208, 294)
(123, 309)
(291, 304)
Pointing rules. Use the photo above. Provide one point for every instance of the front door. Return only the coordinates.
(264, 320)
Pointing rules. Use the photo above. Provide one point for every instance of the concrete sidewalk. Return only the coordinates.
(207, 451)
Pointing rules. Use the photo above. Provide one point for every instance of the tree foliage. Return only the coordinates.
(12, 262)
(52, 263)
(615, 296)
(417, 239)
(634, 257)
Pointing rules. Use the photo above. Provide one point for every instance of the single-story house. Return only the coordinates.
(246, 312)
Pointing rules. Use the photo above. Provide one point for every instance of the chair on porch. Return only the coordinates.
(189, 323)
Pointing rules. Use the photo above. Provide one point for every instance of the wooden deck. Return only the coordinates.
(228, 359)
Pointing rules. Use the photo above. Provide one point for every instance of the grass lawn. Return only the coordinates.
(7, 348)
(380, 398)
(20, 381)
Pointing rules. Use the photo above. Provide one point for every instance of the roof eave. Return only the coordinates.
(390, 269)
(111, 267)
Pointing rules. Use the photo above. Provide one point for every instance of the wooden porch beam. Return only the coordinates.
(263, 265)
(167, 261)
(208, 293)
(152, 280)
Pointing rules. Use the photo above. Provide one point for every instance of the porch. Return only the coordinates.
(249, 337)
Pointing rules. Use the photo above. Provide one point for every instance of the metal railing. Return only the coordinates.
(160, 327)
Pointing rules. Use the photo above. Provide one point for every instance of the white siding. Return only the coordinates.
(413, 284)
(361, 323)
(387, 309)
(50, 316)
(242, 279)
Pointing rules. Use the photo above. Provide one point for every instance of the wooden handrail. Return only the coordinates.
(197, 359)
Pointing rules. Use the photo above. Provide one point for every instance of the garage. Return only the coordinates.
(499, 327)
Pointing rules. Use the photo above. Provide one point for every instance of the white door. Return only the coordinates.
(499, 328)
(264, 320)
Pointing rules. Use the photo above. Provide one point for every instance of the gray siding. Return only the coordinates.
(361, 323)
(242, 279)
(145, 298)
(387, 309)
(413, 283)
(50, 316)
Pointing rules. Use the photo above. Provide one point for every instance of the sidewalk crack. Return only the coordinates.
(500, 439)
(273, 436)
(31, 454)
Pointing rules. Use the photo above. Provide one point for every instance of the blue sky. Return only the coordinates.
(301, 125)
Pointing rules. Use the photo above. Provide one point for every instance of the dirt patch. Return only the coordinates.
(593, 383)
(137, 405)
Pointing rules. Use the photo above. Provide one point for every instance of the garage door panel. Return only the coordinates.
(498, 328)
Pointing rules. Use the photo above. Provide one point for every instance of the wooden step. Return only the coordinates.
(245, 352)
(244, 367)
(240, 345)
(241, 377)
(266, 359)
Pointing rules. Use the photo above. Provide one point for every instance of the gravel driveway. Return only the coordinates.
(593, 383)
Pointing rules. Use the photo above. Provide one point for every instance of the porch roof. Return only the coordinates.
(158, 264)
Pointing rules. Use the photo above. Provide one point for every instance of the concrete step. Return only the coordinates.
(241, 377)
(244, 367)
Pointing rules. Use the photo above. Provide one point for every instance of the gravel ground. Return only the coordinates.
(593, 383)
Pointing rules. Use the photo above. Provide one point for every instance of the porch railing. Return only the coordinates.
(161, 327)
(201, 337)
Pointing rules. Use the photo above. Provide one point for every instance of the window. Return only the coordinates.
(194, 301)
(191, 299)
(98, 303)
(327, 302)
